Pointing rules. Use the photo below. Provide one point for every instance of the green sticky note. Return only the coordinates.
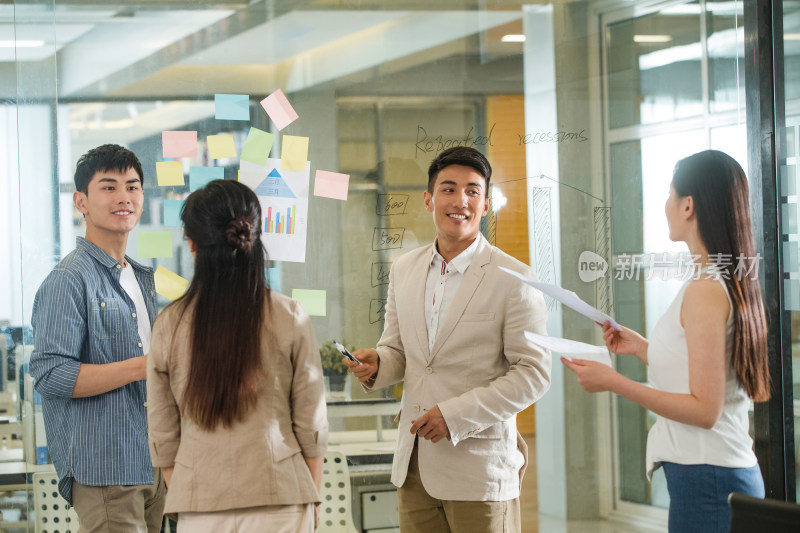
(150, 244)
(257, 146)
(313, 300)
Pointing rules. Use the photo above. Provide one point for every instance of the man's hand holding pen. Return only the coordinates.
(369, 367)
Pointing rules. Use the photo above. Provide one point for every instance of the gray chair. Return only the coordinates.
(750, 514)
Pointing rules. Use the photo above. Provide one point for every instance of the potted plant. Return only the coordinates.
(332, 366)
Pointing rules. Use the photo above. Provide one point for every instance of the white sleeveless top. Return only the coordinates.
(728, 443)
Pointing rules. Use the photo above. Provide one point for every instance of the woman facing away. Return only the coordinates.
(236, 406)
(707, 354)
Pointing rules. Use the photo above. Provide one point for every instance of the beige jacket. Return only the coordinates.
(258, 461)
(481, 372)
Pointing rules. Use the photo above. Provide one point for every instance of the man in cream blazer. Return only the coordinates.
(454, 334)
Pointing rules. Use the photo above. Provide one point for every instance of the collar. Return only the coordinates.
(99, 255)
(462, 261)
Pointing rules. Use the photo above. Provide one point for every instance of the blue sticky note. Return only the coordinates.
(274, 279)
(231, 107)
(200, 176)
(172, 212)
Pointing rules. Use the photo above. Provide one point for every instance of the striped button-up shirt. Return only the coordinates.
(81, 314)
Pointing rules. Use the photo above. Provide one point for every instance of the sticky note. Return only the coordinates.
(294, 153)
(169, 173)
(151, 244)
(331, 184)
(168, 284)
(279, 109)
(220, 146)
(172, 212)
(313, 300)
(252, 175)
(257, 146)
(179, 143)
(231, 107)
(274, 279)
(200, 176)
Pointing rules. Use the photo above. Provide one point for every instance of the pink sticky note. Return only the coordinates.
(331, 184)
(279, 109)
(179, 143)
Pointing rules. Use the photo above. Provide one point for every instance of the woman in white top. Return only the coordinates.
(707, 354)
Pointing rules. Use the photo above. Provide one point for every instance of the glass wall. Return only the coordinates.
(582, 108)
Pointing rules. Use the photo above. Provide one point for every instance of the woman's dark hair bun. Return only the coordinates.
(239, 234)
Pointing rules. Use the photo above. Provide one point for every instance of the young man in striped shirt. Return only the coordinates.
(91, 323)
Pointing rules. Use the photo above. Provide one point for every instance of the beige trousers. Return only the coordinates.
(422, 513)
(272, 518)
(120, 508)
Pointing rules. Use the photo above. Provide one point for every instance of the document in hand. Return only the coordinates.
(568, 298)
(571, 349)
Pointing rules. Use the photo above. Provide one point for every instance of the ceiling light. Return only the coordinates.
(791, 36)
(21, 44)
(652, 38)
(513, 38)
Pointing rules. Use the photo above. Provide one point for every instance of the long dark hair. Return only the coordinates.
(228, 293)
(718, 187)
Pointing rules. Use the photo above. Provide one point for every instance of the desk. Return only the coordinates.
(378, 408)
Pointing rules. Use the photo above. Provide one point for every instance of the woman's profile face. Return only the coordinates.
(672, 210)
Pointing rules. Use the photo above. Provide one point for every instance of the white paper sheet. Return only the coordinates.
(571, 349)
(568, 298)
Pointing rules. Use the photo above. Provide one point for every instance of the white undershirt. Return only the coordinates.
(442, 285)
(128, 281)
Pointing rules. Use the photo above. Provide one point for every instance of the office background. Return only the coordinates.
(583, 107)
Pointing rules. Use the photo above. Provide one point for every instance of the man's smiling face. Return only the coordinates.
(113, 204)
(458, 202)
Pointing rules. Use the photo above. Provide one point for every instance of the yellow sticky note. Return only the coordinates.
(294, 153)
(313, 301)
(220, 146)
(168, 284)
(169, 173)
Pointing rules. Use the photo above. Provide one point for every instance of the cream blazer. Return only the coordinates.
(258, 461)
(481, 372)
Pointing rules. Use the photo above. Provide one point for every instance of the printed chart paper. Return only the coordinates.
(568, 298)
(169, 173)
(284, 207)
(170, 285)
(331, 184)
(231, 107)
(279, 109)
(179, 143)
(571, 349)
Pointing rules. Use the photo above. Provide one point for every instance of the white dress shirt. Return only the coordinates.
(442, 285)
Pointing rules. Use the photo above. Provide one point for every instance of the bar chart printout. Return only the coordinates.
(284, 208)
(277, 223)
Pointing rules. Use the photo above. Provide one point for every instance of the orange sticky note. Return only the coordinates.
(179, 143)
(220, 146)
(279, 109)
(331, 184)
